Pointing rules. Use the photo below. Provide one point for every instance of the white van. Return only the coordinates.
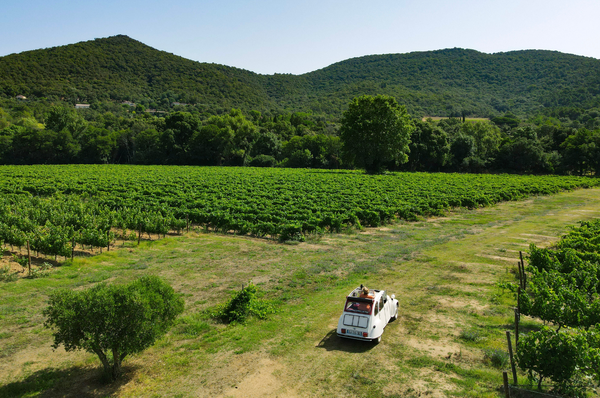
(366, 314)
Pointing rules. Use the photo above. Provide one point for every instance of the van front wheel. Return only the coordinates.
(395, 315)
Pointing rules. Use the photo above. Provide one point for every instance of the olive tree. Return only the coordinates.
(113, 321)
(375, 131)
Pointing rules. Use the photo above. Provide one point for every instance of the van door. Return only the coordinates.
(384, 310)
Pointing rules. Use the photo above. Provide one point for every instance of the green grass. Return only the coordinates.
(443, 271)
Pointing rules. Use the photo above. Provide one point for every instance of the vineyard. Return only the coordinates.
(56, 208)
(562, 291)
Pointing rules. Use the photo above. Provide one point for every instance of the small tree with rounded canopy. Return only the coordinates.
(113, 321)
(375, 131)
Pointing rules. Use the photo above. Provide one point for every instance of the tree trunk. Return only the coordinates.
(117, 359)
(105, 362)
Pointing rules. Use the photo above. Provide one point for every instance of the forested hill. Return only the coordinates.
(454, 80)
(444, 82)
(120, 68)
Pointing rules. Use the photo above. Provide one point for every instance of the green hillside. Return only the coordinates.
(120, 68)
(453, 80)
(441, 83)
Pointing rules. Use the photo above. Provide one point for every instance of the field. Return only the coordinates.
(60, 208)
(448, 341)
(468, 119)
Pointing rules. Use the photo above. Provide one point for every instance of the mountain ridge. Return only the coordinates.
(440, 82)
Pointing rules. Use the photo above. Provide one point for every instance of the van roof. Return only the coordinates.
(357, 293)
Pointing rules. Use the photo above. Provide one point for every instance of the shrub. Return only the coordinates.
(244, 304)
(291, 232)
(263, 161)
(470, 335)
(113, 321)
(21, 260)
(41, 272)
(498, 358)
(561, 356)
(6, 275)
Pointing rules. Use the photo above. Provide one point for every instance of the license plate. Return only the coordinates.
(354, 332)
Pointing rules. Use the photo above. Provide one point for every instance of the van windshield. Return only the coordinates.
(363, 307)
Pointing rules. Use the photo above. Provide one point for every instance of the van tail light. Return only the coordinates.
(365, 334)
(343, 331)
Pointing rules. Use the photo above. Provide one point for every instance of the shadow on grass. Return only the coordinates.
(524, 327)
(332, 342)
(80, 382)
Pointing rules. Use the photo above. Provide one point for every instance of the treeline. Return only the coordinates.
(561, 141)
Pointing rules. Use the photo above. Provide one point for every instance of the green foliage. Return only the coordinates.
(41, 272)
(565, 299)
(21, 260)
(508, 120)
(113, 321)
(525, 155)
(563, 289)
(470, 335)
(262, 161)
(451, 82)
(564, 357)
(121, 68)
(291, 232)
(497, 358)
(585, 238)
(582, 152)
(7, 275)
(429, 147)
(475, 145)
(375, 131)
(244, 304)
(60, 208)
(317, 151)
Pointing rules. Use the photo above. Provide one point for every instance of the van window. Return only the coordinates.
(358, 306)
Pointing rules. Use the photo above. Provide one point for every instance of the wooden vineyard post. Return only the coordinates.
(108, 240)
(512, 361)
(506, 387)
(72, 249)
(139, 233)
(28, 258)
(517, 319)
(520, 274)
(523, 267)
(187, 222)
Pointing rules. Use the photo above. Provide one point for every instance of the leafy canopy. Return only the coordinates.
(375, 131)
(113, 320)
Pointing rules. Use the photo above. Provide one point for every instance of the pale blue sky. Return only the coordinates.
(268, 36)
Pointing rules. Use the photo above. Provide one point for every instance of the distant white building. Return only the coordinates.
(21, 97)
(82, 106)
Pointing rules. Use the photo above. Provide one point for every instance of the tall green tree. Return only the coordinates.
(375, 131)
(429, 147)
(581, 152)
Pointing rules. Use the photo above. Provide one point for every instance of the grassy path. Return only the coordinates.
(443, 271)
